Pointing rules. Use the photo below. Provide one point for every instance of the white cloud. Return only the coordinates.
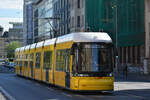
(12, 4)
(4, 22)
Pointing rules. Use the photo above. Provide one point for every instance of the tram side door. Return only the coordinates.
(67, 75)
(20, 67)
(47, 75)
(31, 65)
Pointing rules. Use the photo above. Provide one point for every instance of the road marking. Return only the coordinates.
(37, 84)
(52, 99)
(81, 96)
(6, 94)
(85, 97)
(50, 89)
(66, 95)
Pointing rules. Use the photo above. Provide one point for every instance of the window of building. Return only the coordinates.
(124, 52)
(78, 4)
(120, 55)
(82, 3)
(47, 60)
(71, 2)
(38, 60)
(133, 54)
(129, 54)
(148, 5)
(78, 21)
(72, 21)
(138, 55)
(82, 20)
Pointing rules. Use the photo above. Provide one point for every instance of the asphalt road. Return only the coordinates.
(18, 88)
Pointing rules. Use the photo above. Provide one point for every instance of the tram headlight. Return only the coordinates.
(111, 74)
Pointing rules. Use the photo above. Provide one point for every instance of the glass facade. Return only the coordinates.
(43, 25)
(29, 24)
(62, 11)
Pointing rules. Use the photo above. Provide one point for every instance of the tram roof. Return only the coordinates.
(86, 37)
(76, 37)
(40, 44)
(33, 46)
(27, 47)
(22, 48)
(17, 49)
(49, 42)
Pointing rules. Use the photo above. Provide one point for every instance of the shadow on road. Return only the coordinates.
(70, 92)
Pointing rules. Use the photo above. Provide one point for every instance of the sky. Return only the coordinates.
(10, 11)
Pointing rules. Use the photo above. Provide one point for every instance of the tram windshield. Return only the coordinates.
(93, 58)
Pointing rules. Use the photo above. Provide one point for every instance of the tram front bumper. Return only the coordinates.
(93, 83)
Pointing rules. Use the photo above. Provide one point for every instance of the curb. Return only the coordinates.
(6, 94)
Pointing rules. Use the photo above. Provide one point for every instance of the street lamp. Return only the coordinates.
(116, 36)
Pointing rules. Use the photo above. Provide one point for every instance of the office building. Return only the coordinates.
(16, 32)
(122, 20)
(1, 31)
(62, 16)
(28, 22)
(42, 23)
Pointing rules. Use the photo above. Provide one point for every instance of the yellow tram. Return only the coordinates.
(78, 61)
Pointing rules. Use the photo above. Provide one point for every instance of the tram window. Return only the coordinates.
(26, 61)
(31, 60)
(67, 60)
(93, 58)
(20, 64)
(47, 60)
(16, 56)
(38, 59)
(63, 60)
(59, 61)
(17, 63)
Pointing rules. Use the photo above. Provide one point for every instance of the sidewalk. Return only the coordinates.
(2, 97)
(132, 77)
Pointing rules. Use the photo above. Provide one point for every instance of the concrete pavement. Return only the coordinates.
(2, 97)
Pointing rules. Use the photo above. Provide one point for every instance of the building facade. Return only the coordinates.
(147, 37)
(3, 45)
(1, 31)
(16, 33)
(77, 14)
(62, 17)
(122, 20)
(42, 23)
(28, 22)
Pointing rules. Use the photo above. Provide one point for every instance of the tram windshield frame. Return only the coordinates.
(93, 59)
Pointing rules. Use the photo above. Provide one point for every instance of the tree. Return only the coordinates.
(11, 49)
